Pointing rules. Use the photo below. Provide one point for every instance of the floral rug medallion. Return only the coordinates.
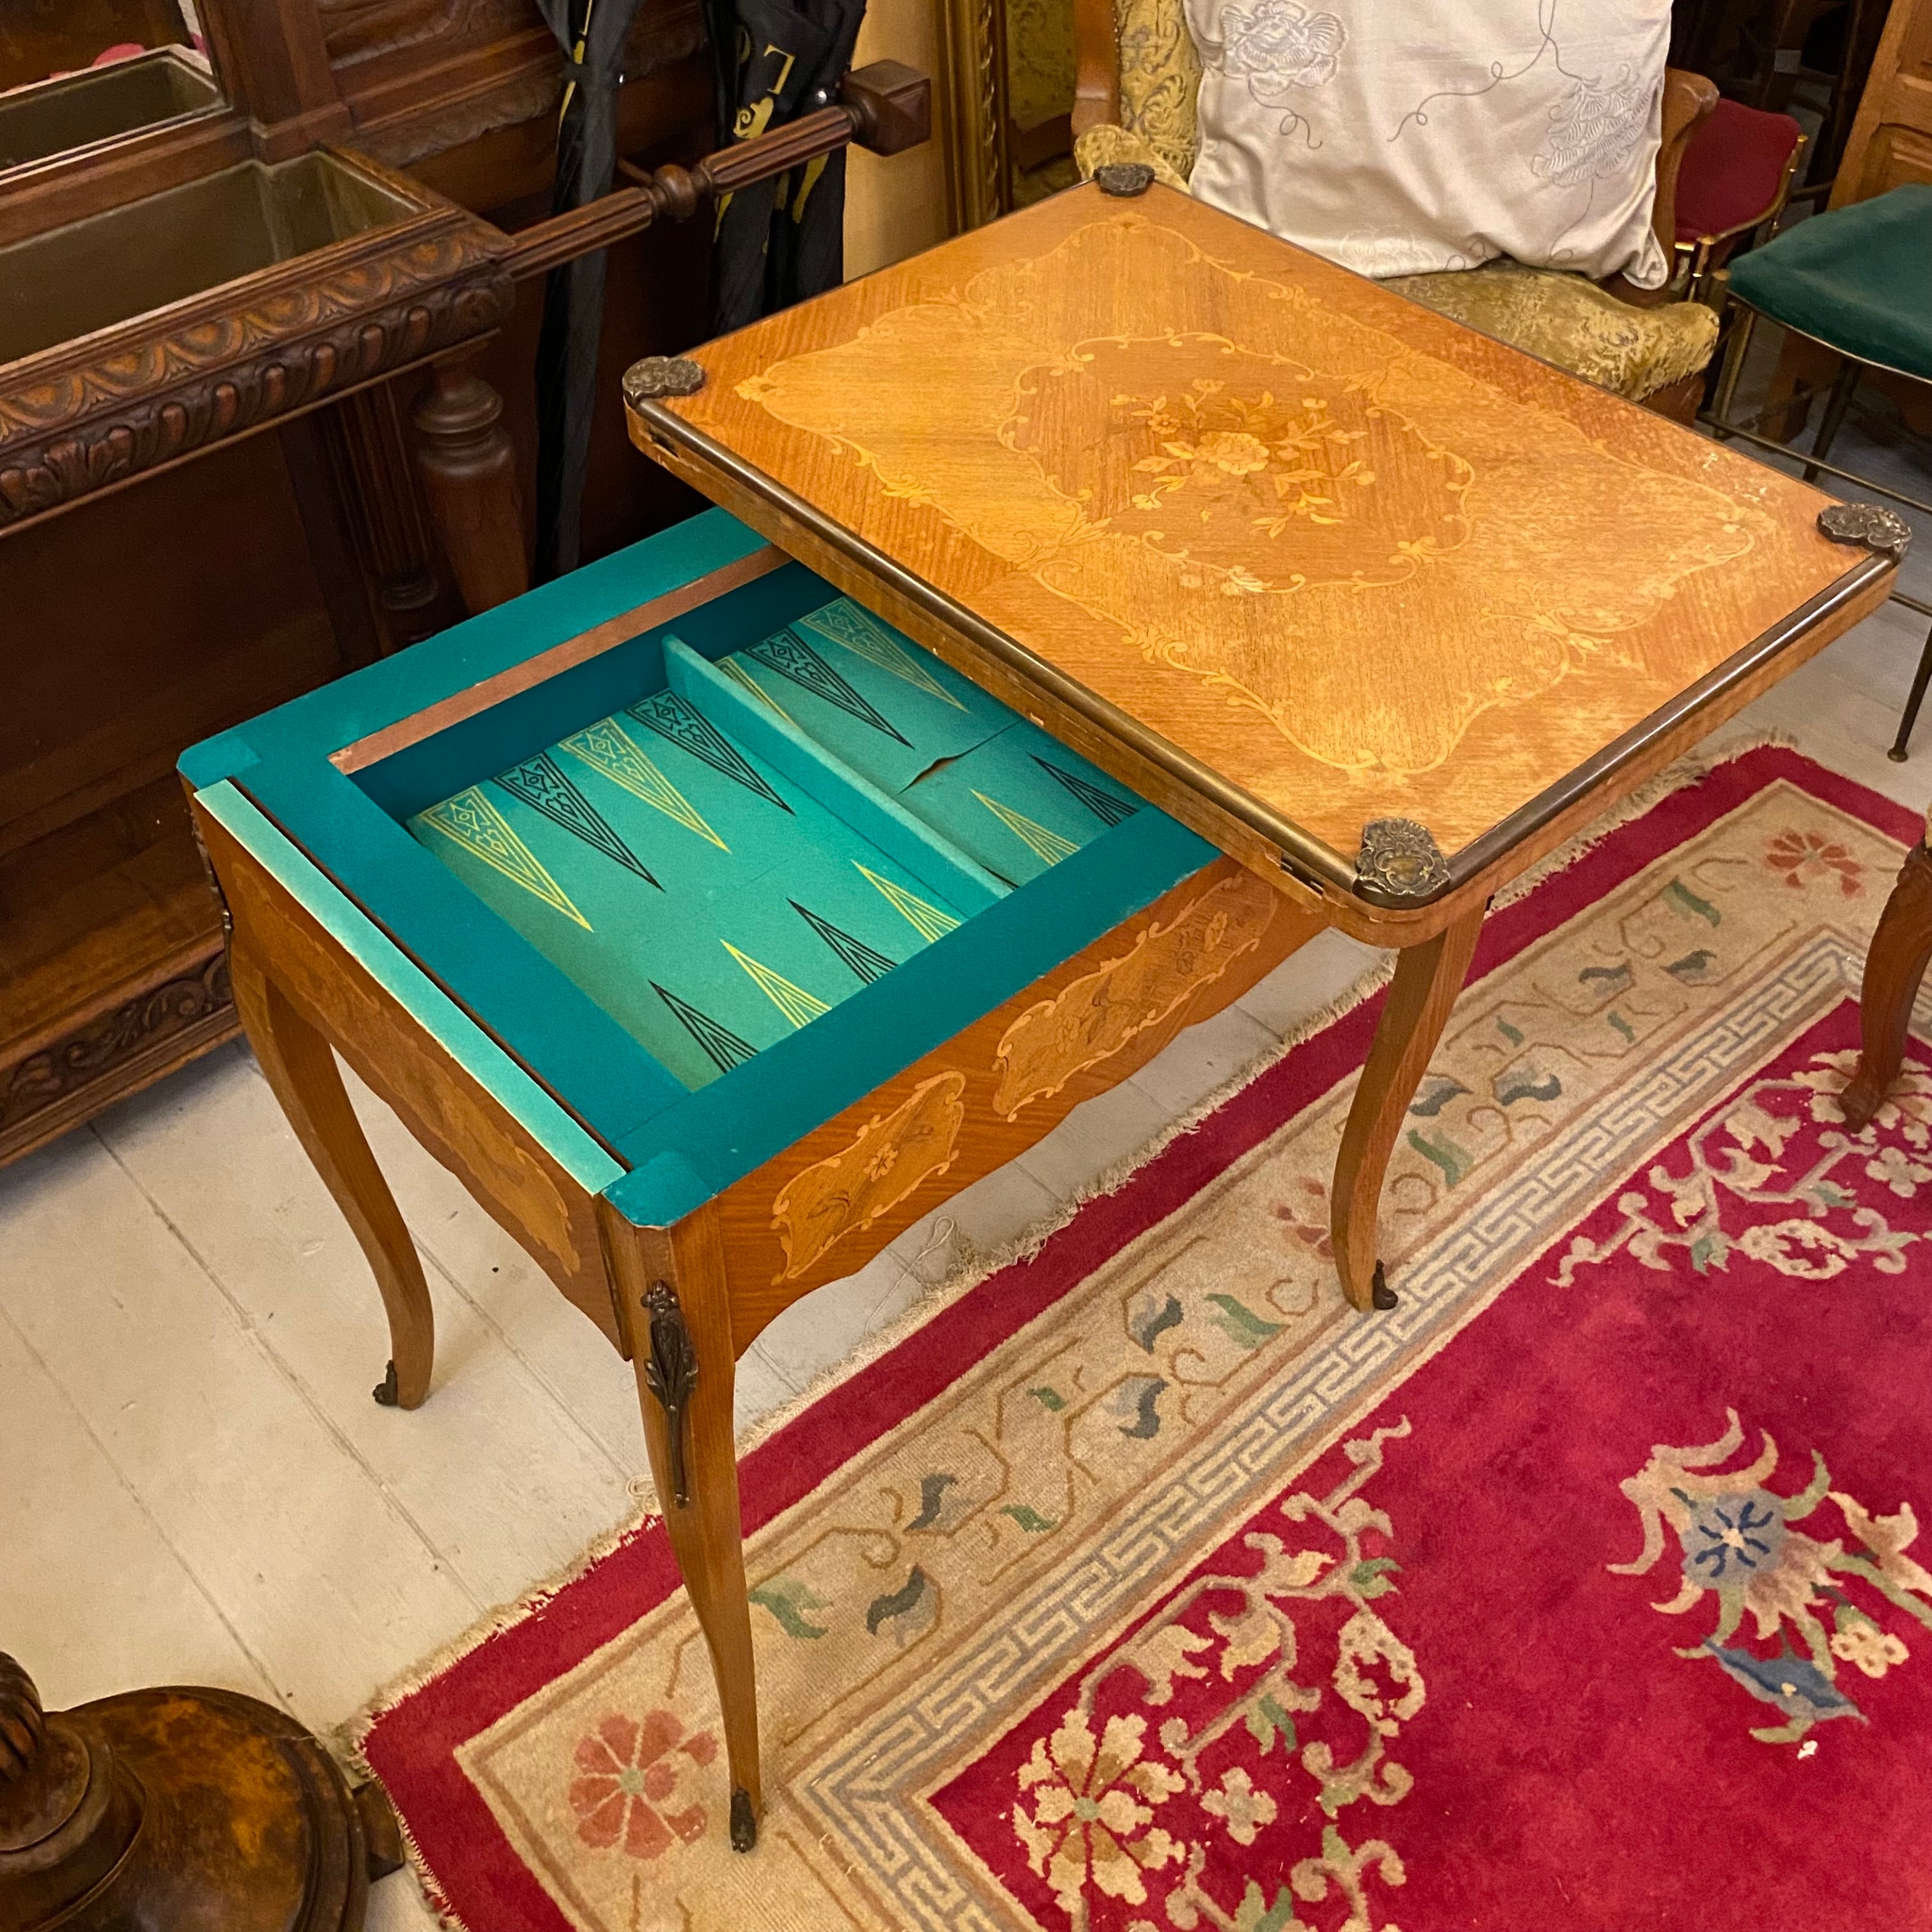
(1145, 1586)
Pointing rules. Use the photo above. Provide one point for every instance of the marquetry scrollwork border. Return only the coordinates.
(87, 414)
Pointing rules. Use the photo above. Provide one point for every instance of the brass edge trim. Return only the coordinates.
(1527, 820)
(1300, 849)
(559, 658)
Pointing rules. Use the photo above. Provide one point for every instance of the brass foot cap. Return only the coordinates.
(744, 1820)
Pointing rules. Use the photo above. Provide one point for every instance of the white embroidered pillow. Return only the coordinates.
(1401, 137)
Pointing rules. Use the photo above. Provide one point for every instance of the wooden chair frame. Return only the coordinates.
(1699, 261)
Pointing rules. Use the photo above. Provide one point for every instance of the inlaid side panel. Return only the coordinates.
(513, 1178)
(1094, 1018)
(892, 1157)
(826, 1206)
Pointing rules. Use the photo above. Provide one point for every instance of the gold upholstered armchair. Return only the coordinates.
(1138, 77)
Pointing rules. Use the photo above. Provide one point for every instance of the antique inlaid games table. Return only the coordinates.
(1121, 597)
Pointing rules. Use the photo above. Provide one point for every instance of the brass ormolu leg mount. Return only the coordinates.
(1901, 949)
(167, 1808)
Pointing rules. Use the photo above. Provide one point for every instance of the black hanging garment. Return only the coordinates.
(592, 34)
(778, 241)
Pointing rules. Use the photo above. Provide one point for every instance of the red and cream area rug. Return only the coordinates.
(1145, 1586)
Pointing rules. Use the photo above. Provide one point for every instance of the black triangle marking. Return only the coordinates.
(1103, 804)
(864, 960)
(791, 656)
(687, 728)
(543, 788)
(725, 1049)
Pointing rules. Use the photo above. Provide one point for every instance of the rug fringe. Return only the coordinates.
(1692, 769)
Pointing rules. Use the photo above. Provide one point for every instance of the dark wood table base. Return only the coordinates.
(177, 1807)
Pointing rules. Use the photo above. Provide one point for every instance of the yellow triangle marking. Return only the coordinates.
(736, 672)
(609, 748)
(927, 921)
(1046, 844)
(794, 1002)
(847, 623)
(470, 820)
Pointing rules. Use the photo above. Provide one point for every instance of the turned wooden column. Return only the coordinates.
(175, 1807)
(469, 466)
(368, 442)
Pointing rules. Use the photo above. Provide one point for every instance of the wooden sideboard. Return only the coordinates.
(218, 508)
(1891, 140)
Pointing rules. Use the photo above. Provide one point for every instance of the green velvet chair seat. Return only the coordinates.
(1859, 278)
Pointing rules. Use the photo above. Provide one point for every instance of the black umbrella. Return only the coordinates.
(781, 240)
(592, 34)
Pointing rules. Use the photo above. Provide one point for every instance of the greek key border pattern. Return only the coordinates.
(869, 1792)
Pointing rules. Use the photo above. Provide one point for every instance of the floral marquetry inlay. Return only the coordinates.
(893, 1154)
(1269, 476)
(1361, 561)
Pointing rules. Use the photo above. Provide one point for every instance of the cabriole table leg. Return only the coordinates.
(1901, 949)
(677, 1313)
(1427, 979)
(300, 1067)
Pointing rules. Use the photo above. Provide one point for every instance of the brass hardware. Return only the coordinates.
(1871, 524)
(670, 1373)
(662, 376)
(1400, 860)
(1123, 178)
(744, 1820)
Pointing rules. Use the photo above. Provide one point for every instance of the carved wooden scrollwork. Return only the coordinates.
(83, 416)
(98, 1051)
(354, 30)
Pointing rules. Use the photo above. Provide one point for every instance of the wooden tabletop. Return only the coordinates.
(1343, 558)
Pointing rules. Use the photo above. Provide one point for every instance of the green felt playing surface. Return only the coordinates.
(725, 860)
(478, 951)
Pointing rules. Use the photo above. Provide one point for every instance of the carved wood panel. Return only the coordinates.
(1891, 140)
(354, 30)
(85, 416)
(114, 1053)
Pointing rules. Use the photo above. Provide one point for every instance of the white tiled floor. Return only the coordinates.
(194, 1483)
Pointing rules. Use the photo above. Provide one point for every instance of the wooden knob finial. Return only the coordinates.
(23, 1725)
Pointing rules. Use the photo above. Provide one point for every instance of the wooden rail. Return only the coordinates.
(885, 107)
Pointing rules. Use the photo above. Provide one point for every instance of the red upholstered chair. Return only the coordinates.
(1735, 181)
